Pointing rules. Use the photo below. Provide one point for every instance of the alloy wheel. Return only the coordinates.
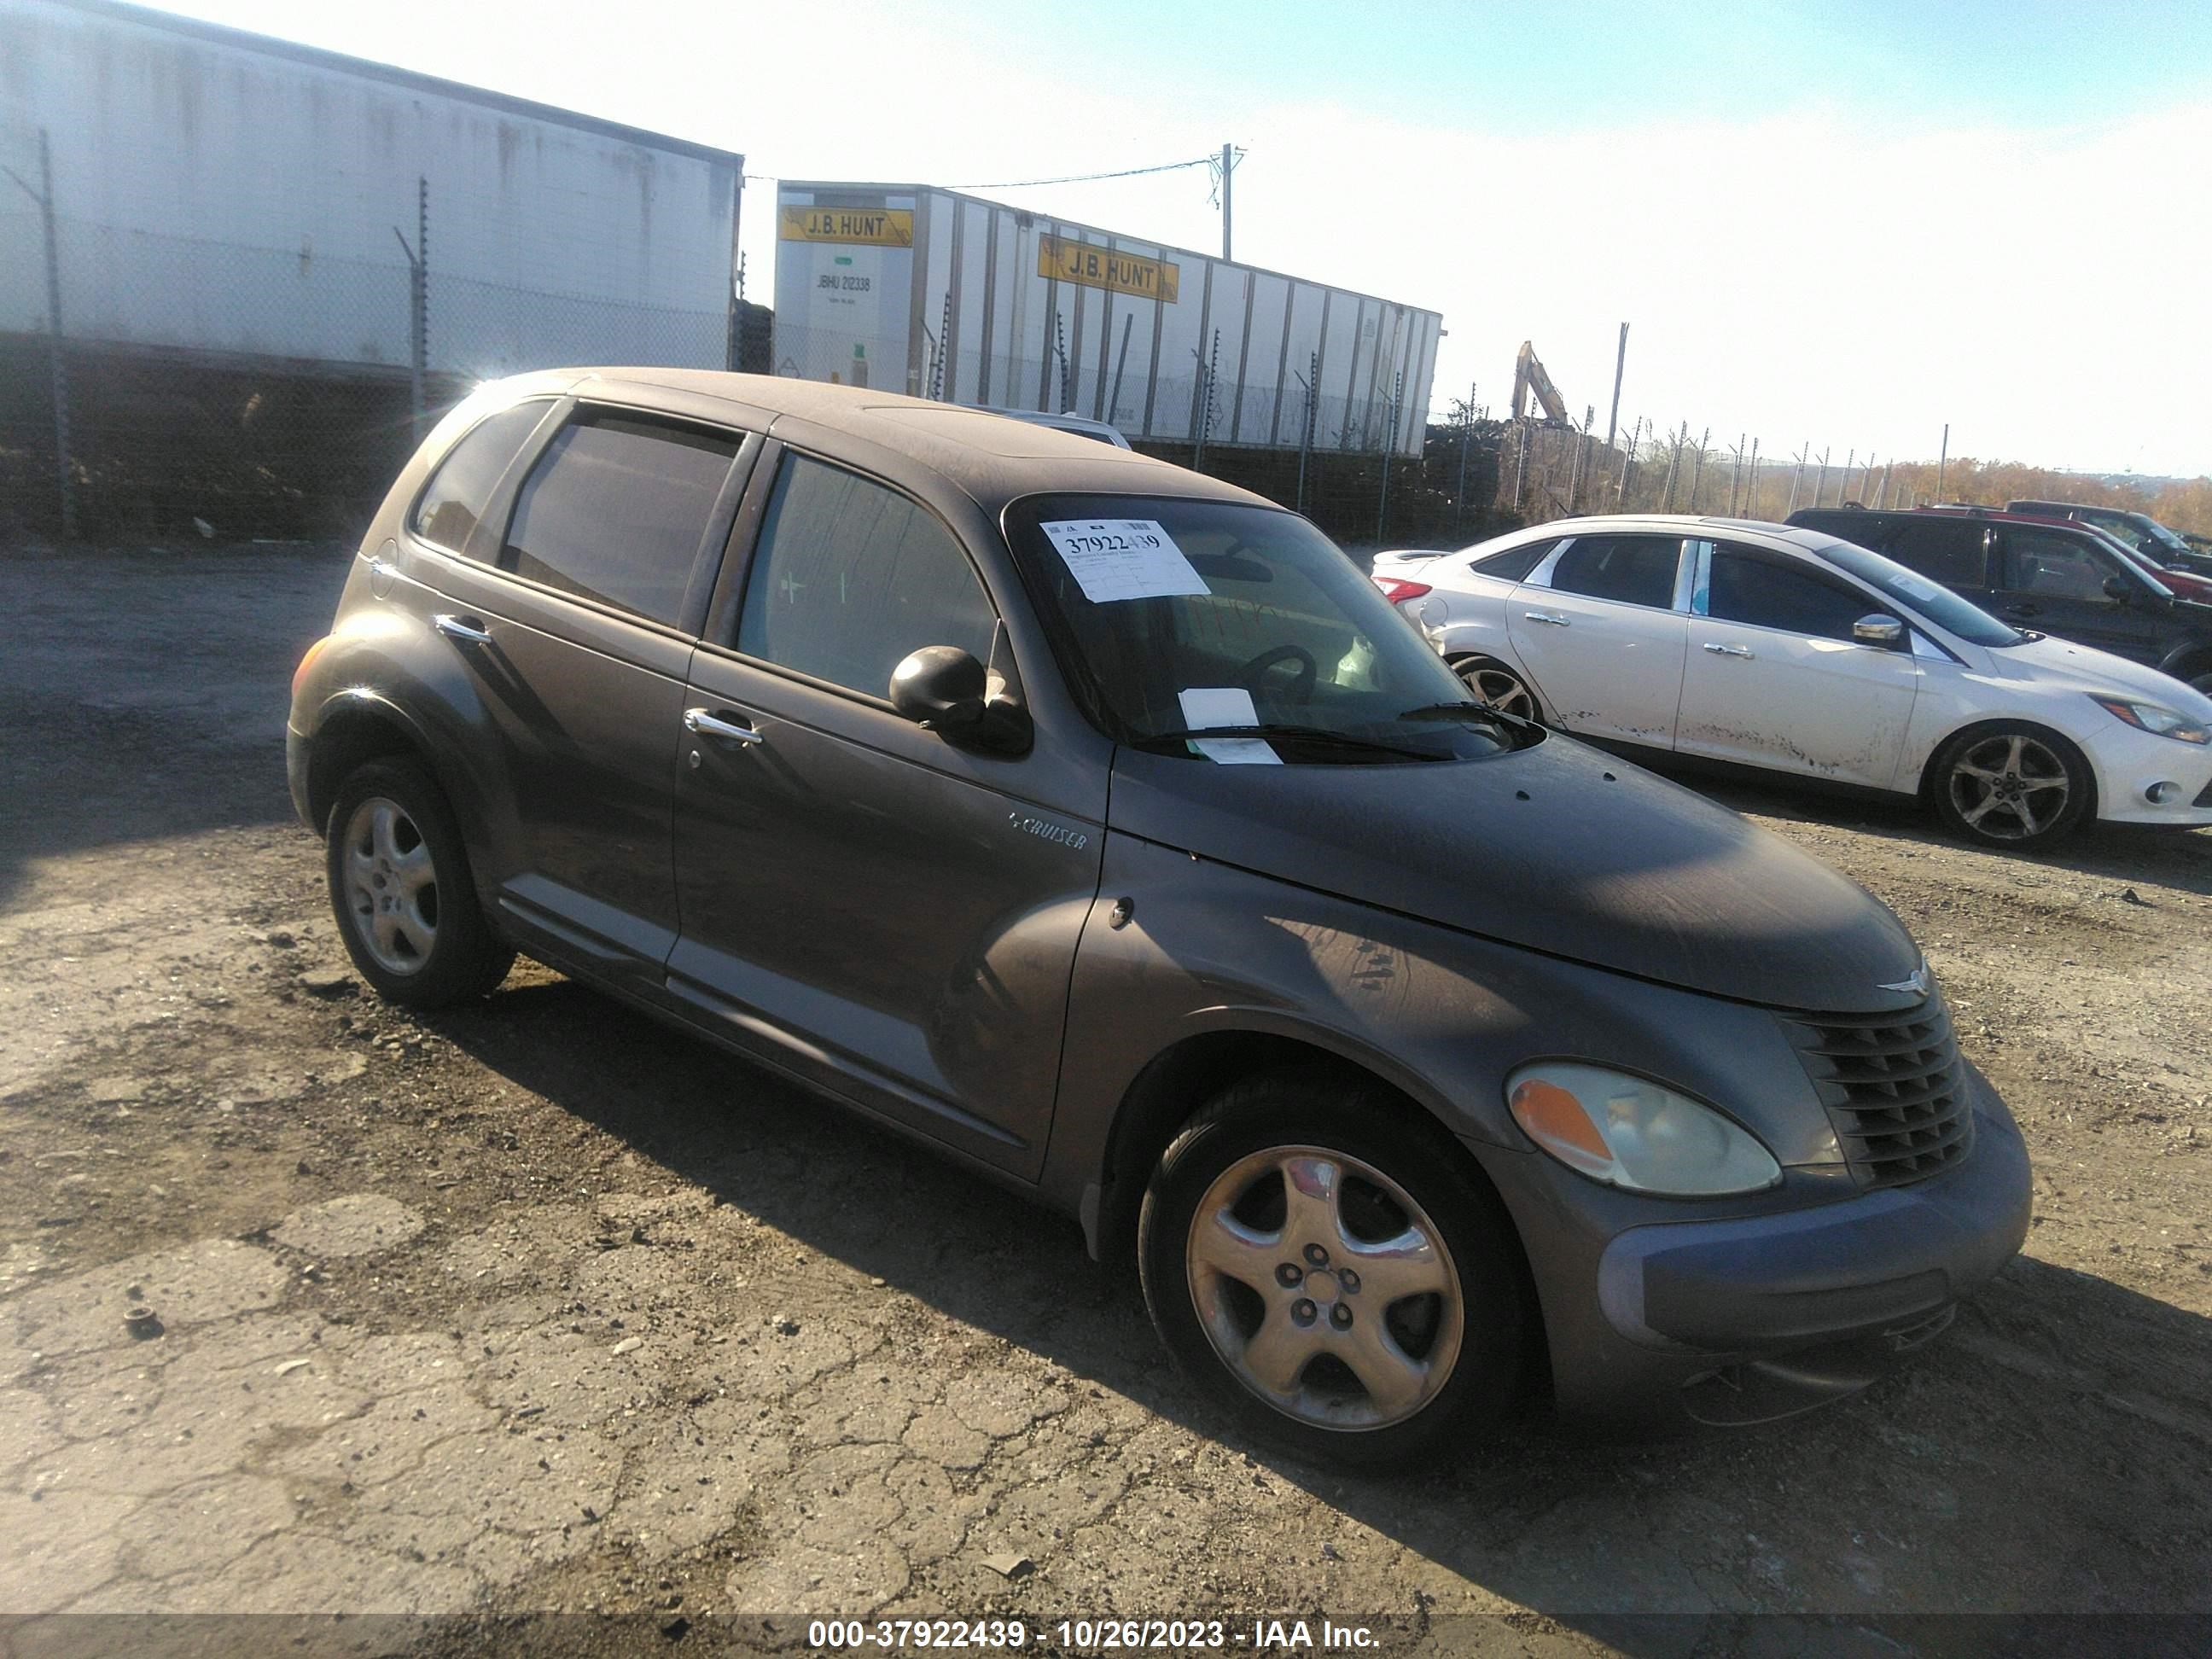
(390, 885)
(1324, 1288)
(1500, 688)
(2009, 787)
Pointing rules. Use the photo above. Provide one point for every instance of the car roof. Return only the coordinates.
(989, 458)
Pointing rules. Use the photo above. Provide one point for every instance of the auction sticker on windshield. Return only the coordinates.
(1122, 559)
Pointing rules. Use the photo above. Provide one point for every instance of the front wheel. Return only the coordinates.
(1334, 1276)
(2010, 786)
(400, 889)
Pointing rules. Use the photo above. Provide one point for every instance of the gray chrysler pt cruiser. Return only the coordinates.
(1100, 825)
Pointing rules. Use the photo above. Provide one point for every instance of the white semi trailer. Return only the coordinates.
(927, 291)
(221, 192)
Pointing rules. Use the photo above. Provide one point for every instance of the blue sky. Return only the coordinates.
(1809, 213)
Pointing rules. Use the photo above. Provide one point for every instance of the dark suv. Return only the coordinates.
(2047, 576)
(1102, 826)
(2136, 529)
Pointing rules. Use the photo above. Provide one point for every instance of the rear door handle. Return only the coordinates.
(702, 724)
(1729, 650)
(461, 628)
(1551, 617)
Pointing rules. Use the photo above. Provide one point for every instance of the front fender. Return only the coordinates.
(1441, 1015)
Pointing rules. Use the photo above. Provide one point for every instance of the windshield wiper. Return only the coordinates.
(1469, 711)
(1319, 734)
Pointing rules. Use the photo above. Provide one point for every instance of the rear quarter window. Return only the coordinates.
(454, 500)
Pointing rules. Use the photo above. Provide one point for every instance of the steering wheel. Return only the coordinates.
(1300, 689)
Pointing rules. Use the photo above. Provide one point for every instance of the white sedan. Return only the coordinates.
(1788, 650)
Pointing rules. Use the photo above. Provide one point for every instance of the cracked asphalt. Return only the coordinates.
(309, 1305)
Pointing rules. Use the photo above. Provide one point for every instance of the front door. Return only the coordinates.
(2054, 583)
(864, 904)
(1774, 678)
(1597, 631)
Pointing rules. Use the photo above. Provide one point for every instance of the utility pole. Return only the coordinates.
(1943, 459)
(1619, 362)
(1228, 161)
(1751, 489)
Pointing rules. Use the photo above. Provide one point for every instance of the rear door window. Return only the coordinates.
(616, 508)
(849, 577)
(1954, 552)
(1765, 593)
(1632, 569)
(454, 500)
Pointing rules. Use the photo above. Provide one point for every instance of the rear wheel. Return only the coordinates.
(2010, 786)
(1332, 1276)
(400, 889)
(1491, 681)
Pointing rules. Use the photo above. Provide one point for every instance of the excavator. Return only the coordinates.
(1529, 377)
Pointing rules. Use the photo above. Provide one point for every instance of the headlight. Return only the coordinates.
(1631, 1133)
(2150, 717)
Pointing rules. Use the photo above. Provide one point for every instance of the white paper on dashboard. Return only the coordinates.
(1122, 559)
(1225, 705)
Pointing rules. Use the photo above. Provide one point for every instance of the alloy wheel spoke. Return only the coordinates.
(408, 923)
(1393, 1378)
(1967, 769)
(384, 928)
(1396, 1268)
(383, 830)
(2014, 746)
(414, 869)
(1309, 1203)
(1981, 808)
(1229, 1248)
(1277, 1354)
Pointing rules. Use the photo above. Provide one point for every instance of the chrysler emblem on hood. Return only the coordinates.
(1915, 983)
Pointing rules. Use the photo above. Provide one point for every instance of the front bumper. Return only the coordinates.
(2128, 763)
(1756, 1316)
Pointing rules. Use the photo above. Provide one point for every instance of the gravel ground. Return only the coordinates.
(537, 1306)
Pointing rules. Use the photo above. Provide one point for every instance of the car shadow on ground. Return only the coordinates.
(1890, 1506)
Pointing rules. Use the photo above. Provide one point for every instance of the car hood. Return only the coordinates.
(1556, 848)
(2095, 671)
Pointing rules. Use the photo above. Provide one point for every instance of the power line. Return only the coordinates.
(1086, 178)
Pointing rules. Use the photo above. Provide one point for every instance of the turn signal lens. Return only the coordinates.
(1631, 1133)
(2153, 717)
(1397, 590)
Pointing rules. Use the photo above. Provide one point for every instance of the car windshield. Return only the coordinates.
(1174, 619)
(1916, 592)
(2154, 533)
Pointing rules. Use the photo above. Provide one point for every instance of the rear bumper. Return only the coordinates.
(295, 777)
(1750, 1318)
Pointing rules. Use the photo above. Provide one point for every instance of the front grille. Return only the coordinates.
(1895, 1087)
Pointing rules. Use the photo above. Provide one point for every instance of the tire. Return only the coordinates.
(2010, 785)
(1491, 681)
(400, 888)
(1218, 1247)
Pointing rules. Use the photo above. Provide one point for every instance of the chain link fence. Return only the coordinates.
(213, 388)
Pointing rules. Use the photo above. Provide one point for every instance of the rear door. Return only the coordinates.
(1774, 678)
(864, 905)
(573, 610)
(2054, 582)
(1595, 627)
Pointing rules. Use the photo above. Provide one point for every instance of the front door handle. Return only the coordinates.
(700, 722)
(1729, 650)
(467, 629)
(1551, 617)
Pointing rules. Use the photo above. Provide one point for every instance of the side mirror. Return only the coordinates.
(2117, 589)
(942, 689)
(1878, 629)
